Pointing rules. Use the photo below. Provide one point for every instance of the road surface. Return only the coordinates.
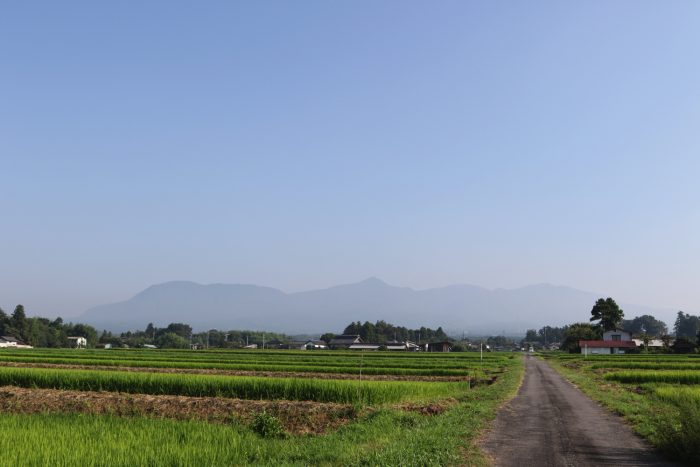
(551, 423)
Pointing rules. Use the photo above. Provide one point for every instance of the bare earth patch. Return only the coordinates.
(298, 417)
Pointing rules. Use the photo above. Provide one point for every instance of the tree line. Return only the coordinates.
(43, 332)
(381, 332)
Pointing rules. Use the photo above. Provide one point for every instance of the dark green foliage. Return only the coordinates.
(679, 437)
(577, 332)
(170, 340)
(607, 313)
(683, 345)
(267, 426)
(381, 332)
(645, 324)
(686, 325)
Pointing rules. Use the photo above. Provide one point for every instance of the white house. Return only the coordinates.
(615, 341)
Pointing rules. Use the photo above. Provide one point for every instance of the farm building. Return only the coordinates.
(315, 345)
(405, 346)
(13, 342)
(77, 342)
(652, 344)
(616, 341)
(344, 341)
(364, 346)
(443, 346)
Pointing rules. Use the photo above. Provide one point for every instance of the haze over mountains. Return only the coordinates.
(457, 308)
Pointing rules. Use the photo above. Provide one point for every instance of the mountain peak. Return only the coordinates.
(372, 281)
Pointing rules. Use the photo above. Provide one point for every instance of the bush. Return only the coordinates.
(267, 426)
(680, 437)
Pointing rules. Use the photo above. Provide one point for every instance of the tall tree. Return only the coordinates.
(607, 313)
(18, 321)
(686, 325)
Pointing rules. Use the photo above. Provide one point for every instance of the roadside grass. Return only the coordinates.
(667, 416)
(386, 436)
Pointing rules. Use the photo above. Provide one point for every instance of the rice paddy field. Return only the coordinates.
(248, 407)
(658, 393)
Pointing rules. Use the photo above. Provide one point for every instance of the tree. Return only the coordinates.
(686, 325)
(577, 332)
(607, 313)
(645, 324)
(170, 340)
(18, 321)
(327, 337)
(683, 345)
(531, 336)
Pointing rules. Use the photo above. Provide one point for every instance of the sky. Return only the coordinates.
(303, 144)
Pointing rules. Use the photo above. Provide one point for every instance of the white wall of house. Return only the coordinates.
(617, 335)
(596, 351)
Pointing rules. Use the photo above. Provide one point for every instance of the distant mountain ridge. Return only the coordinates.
(457, 308)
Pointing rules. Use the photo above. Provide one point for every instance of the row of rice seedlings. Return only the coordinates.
(421, 358)
(231, 364)
(679, 395)
(661, 376)
(637, 365)
(319, 390)
(357, 368)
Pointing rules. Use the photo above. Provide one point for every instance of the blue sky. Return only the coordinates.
(305, 144)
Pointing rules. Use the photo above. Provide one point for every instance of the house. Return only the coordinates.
(363, 346)
(344, 341)
(605, 347)
(77, 342)
(615, 341)
(443, 346)
(13, 342)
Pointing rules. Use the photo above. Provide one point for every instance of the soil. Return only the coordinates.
(298, 417)
(551, 423)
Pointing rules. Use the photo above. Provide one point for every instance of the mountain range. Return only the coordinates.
(457, 308)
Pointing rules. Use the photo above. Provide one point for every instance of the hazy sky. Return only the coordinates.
(302, 144)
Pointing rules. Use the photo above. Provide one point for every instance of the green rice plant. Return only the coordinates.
(344, 391)
(679, 437)
(661, 376)
(647, 365)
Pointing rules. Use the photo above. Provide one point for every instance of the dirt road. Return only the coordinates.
(551, 423)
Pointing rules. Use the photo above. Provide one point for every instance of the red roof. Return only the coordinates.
(607, 344)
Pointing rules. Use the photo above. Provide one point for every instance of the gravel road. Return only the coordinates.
(551, 423)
